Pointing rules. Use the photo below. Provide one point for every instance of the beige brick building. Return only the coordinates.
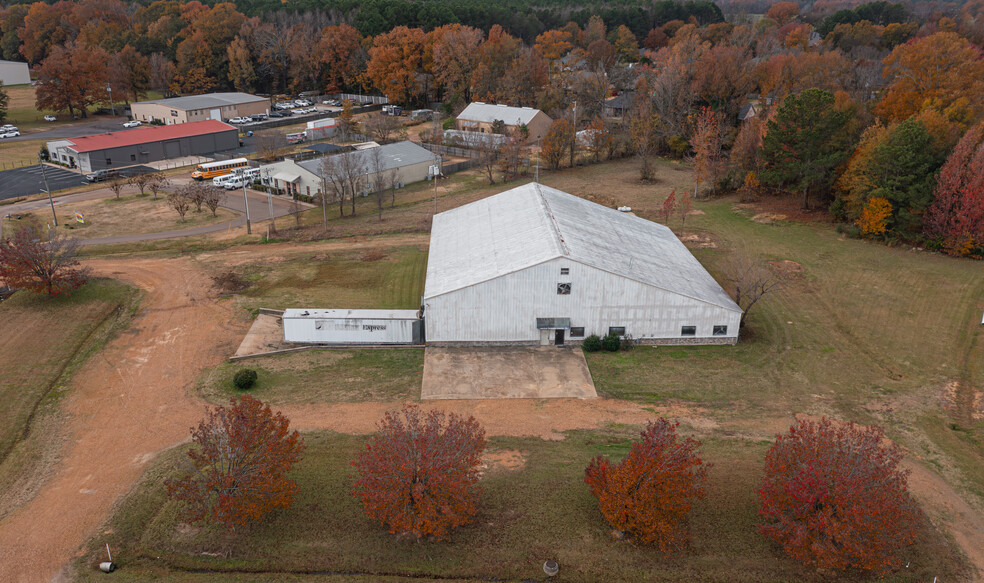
(478, 117)
(218, 106)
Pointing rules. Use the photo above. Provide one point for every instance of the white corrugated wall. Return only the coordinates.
(505, 309)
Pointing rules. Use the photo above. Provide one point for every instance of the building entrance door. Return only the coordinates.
(559, 338)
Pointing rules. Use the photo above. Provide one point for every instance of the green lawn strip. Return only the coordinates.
(323, 376)
(541, 511)
(339, 280)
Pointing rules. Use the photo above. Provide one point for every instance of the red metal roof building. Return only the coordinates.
(144, 144)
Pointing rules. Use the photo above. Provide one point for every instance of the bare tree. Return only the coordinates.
(158, 182)
(295, 210)
(212, 198)
(354, 167)
(381, 127)
(332, 185)
(270, 144)
(179, 202)
(141, 181)
(750, 279)
(378, 176)
(117, 184)
(197, 192)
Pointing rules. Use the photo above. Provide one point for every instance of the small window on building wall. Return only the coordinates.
(563, 289)
(617, 330)
(688, 331)
(133, 157)
(565, 270)
(577, 332)
(720, 330)
(109, 161)
(174, 113)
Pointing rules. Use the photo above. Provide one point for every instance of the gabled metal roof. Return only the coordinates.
(533, 223)
(206, 101)
(489, 112)
(392, 156)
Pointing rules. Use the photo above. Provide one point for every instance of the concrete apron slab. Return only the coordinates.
(514, 372)
(264, 335)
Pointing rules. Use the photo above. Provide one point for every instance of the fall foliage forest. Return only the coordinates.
(851, 107)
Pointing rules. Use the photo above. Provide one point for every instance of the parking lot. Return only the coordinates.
(28, 180)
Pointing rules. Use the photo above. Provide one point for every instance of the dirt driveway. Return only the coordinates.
(506, 372)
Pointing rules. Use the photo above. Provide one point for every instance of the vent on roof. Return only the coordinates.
(479, 102)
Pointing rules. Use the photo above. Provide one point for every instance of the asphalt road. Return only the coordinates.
(100, 124)
(28, 180)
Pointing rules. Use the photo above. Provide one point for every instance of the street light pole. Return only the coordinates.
(109, 88)
(47, 190)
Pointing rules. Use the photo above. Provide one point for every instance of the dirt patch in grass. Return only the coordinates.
(503, 460)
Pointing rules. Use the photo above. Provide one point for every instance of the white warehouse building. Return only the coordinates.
(534, 265)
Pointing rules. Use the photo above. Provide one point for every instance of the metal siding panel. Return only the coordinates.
(505, 309)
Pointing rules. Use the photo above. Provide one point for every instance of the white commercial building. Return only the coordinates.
(14, 73)
(352, 326)
(534, 265)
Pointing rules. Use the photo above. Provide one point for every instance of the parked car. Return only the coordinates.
(132, 123)
(220, 181)
(258, 117)
(50, 118)
(8, 128)
(304, 102)
(10, 134)
(238, 119)
(279, 114)
(331, 102)
(100, 175)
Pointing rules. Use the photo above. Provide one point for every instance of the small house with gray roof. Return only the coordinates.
(534, 265)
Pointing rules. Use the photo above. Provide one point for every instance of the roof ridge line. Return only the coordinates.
(553, 221)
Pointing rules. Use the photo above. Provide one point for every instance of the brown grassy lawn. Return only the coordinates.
(323, 376)
(528, 515)
(128, 215)
(43, 341)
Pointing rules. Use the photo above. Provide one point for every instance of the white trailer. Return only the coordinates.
(352, 326)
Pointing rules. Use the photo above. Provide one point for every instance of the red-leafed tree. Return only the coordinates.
(706, 141)
(834, 497)
(50, 267)
(956, 216)
(649, 494)
(419, 474)
(240, 460)
(669, 206)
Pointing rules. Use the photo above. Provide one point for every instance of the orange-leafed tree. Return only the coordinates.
(419, 472)
(649, 494)
(73, 77)
(556, 143)
(834, 497)
(706, 141)
(341, 52)
(956, 216)
(395, 61)
(553, 44)
(933, 72)
(873, 221)
(684, 205)
(600, 140)
(239, 463)
(456, 54)
(51, 267)
(783, 12)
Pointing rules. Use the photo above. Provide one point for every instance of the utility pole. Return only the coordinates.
(437, 172)
(47, 190)
(249, 229)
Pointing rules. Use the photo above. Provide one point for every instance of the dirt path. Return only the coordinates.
(129, 402)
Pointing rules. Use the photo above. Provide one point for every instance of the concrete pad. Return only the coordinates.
(514, 372)
(265, 335)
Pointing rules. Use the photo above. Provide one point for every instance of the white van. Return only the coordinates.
(236, 182)
(219, 181)
(249, 174)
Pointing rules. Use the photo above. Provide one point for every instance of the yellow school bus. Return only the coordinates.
(220, 168)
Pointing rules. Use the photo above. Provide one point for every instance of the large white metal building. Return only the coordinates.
(534, 265)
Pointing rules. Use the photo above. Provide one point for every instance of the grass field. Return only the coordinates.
(44, 340)
(323, 376)
(529, 514)
(349, 279)
(128, 215)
